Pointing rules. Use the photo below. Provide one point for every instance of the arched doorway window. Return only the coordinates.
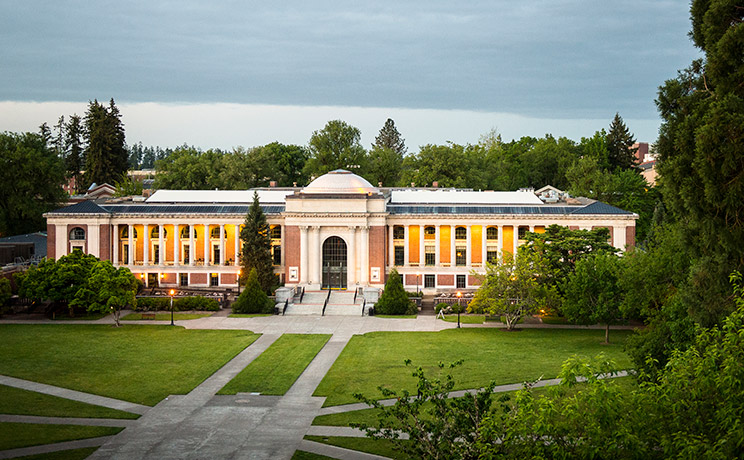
(334, 263)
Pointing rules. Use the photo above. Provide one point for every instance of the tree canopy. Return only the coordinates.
(106, 156)
(256, 251)
(336, 146)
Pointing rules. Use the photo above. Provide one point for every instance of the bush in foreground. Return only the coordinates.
(253, 299)
(394, 299)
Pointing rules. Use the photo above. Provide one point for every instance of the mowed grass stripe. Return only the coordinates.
(15, 401)
(274, 372)
(17, 435)
(377, 358)
(136, 363)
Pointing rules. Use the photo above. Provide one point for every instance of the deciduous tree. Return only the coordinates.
(336, 146)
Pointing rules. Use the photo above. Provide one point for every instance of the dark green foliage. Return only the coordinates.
(336, 146)
(152, 303)
(190, 303)
(106, 290)
(700, 147)
(5, 291)
(386, 156)
(593, 293)
(58, 280)
(106, 157)
(446, 164)
(253, 299)
(74, 150)
(619, 141)
(394, 299)
(256, 253)
(31, 178)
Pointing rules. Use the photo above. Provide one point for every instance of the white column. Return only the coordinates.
(237, 245)
(94, 240)
(176, 245)
(316, 257)
(115, 228)
(131, 249)
(405, 246)
(364, 264)
(303, 255)
(222, 244)
(161, 246)
(192, 250)
(436, 246)
(391, 247)
(284, 230)
(515, 239)
(532, 228)
(422, 240)
(206, 244)
(351, 279)
(500, 242)
(63, 237)
(468, 247)
(146, 243)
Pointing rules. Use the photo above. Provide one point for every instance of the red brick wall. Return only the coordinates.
(169, 278)
(573, 227)
(630, 236)
(411, 280)
(228, 278)
(377, 248)
(475, 280)
(104, 246)
(199, 278)
(292, 250)
(445, 280)
(51, 241)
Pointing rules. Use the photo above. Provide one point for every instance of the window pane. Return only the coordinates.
(399, 255)
(430, 256)
(461, 233)
(492, 233)
(277, 255)
(461, 256)
(460, 281)
(429, 281)
(398, 233)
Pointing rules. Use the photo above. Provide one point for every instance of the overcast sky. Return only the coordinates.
(222, 74)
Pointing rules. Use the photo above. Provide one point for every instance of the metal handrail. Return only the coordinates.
(286, 304)
(325, 304)
(364, 303)
(302, 294)
(356, 291)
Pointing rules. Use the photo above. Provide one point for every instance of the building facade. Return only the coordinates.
(338, 232)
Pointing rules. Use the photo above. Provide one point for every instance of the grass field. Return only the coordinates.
(72, 454)
(15, 401)
(376, 358)
(277, 368)
(373, 446)
(166, 316)
(15, 435)
(137, 363)
(302, 455)
(465, 319)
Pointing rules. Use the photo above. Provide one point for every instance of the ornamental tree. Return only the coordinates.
(394, 299)
(253, 299)
(107, 290)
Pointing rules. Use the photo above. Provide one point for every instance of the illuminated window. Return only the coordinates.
(398, 232)
(276, 232)
(461, 256)
(461, 233)
(185, 232)
(430, 257)
(125, 232)
(430, 233)
(214, 279)
(155, 233)
(214, 233)
(492, 233)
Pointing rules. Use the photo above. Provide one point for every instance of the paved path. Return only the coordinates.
(202, 424)
(47, 448)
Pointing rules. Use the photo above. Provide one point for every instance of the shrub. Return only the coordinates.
(253, 299)
(442, 306)
(394, 299)
(5, 292)
(152, 303)
(200, 303)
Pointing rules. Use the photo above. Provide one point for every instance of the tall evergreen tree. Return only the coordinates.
(74, 150)
(389, 138)
(107, 159)
(619, 143)
(256, 254)
(386, 156)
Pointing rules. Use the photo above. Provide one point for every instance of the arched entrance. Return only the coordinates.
(334, 263)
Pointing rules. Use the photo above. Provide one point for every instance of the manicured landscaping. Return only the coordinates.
(397, 316)
(466, 319)
(554, 320)
(377, 358)
(137, 363)
(165, 316)
(84, 316)
(279, 366)
(72, 454)
(16, 435)
(381, 447)
(15, 401)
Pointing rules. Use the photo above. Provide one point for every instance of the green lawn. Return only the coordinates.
(397, 316)
(381, 447)
(16, 435)
(15, 401)
(73, 454)
(166, 316)
(79, 317)
(489, 354)
(137, 363)
(466, 319)
(302, 455)
(279, 366)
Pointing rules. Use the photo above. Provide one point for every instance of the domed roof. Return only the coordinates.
(340, 181)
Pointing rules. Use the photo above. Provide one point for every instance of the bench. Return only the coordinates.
(148, 315)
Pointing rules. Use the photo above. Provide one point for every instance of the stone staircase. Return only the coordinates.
(340, 303)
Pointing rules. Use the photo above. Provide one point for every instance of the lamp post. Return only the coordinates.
(172, 292)
(459, 307)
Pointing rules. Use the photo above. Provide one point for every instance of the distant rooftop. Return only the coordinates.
(219, 196)
(453, 196)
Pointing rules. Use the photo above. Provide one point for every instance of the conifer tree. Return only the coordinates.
(256, 254)
(619, 143)
(394, 299)
(389, 138)
(253, 299)
(386, 156)
(74, 150)
(107, 159)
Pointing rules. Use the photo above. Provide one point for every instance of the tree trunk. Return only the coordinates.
(607, 333)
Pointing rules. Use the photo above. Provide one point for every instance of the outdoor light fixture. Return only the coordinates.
(459, 308)
(172, 292)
